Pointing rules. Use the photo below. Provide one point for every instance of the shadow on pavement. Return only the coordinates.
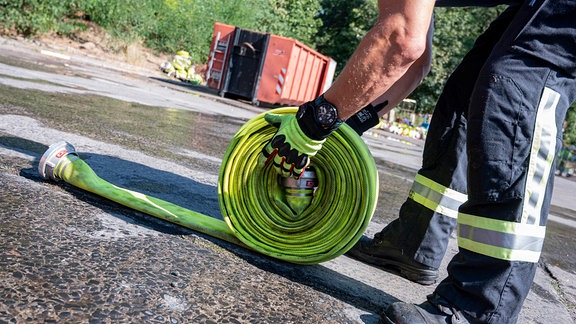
(153, 182)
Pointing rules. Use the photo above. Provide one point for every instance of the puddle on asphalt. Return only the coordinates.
(156, 131)
(52, 67)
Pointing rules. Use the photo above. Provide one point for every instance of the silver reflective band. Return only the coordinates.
(436, 197)
(519, 241)
(542, 155)
(500, 239)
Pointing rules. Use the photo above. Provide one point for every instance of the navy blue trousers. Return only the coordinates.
(480, 143)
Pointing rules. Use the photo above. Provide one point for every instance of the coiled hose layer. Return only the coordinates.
(342, 207)
(252, 199)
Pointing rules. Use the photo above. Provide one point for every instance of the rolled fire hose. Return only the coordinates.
(256, 207)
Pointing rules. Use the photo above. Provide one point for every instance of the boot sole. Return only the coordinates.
(420, 276)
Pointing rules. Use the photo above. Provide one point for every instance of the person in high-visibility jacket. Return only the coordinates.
(488, 159)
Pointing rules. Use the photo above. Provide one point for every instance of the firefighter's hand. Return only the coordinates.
(289, 149)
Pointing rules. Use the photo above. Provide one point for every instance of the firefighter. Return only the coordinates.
(487, 162)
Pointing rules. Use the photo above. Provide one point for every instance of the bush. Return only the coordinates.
(33, 17)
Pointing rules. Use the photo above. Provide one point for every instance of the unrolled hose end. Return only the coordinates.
(299, 193)
(54, 155)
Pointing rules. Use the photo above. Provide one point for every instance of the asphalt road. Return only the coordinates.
(70, 256)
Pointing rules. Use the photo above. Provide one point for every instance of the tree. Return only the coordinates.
(344, 23)
(570, 127)
(296, 19)
(455, 30)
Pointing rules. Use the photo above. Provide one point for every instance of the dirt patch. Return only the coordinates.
(95, 42)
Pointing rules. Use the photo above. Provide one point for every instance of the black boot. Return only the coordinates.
(381, 253)
(434, 311)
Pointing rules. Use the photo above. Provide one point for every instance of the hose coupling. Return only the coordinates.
(300, 192)
(56, 154)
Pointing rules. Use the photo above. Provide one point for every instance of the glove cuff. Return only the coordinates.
(366, 118)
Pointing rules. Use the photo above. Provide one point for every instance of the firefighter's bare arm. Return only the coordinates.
(383, 58)
(409, 81)
(387, 53)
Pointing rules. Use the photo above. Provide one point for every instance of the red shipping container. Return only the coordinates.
(291, 73)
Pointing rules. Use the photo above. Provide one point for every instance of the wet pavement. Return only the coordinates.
(68, 256)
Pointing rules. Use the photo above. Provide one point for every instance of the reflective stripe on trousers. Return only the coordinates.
(519, 241)
(436, 197)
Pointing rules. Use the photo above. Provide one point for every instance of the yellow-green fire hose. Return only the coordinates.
(252, 200)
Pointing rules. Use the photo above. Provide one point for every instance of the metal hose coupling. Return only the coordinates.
(299, 193)
(56, 158)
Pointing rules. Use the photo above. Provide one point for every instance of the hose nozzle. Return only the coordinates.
(299, 193)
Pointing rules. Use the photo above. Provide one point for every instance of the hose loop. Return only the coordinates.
(252, 203)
